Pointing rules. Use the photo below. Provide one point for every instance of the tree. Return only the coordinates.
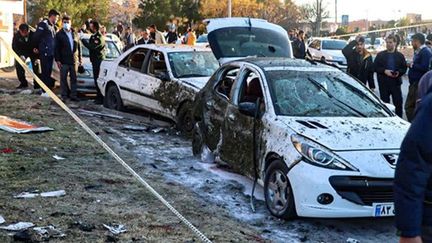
(183, 13)
(240, 8)
(124, 12)
(78, 10)
(315, 14)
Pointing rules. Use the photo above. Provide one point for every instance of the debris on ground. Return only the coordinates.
(14, 126)
(2, 220)
(116, 228)
(6, 151)
(84, 226)
(158, 130)
(100, 114)
(26, 195)
(49, 232)
(135, 128)
(18, 226)
(351, 240)
(56, 157)
(26, 92)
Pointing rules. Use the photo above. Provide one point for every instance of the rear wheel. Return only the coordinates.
(112, 99)
(185, 121)
(278, 194)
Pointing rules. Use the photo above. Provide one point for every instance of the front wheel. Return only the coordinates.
(278, 194)
(112, 99)
(185, 121)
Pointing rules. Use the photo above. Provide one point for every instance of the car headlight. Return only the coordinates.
(318, 155)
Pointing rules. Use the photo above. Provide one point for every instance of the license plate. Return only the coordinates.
(383, 209)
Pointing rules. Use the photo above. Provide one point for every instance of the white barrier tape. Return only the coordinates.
(106, 147)
(380, 30)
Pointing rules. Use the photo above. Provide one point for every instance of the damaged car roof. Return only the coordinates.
(265, 62)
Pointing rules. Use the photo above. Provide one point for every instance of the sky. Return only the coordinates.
(376, 9)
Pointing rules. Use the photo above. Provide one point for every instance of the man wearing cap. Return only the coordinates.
(44, 42)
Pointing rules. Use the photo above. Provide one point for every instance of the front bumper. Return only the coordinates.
(353, 196)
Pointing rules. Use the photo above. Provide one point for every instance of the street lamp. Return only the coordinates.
(229, 8)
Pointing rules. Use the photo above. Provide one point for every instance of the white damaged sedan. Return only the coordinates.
(319, 141)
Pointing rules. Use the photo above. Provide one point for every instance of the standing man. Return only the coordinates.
(390, 66)
(21, 44)
(413, 179)
(145, 38)
(96, 46)
(129, 38)
(156, 35)
(299, 45)
(172, 36)
(190, 37)
(359, 61)
(418, 67)
(68, 57)
(44, 39)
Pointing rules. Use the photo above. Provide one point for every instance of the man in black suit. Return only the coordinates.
(145, 38)
(68, 57)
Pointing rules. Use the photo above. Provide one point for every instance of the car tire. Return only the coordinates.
(278, 193)
(112, 99)
(185, 120)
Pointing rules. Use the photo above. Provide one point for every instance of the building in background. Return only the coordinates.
(8, 9)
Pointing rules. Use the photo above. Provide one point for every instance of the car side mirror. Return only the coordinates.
(164, 76)
(248, 108)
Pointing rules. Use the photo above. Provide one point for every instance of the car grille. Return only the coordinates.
(363, 190)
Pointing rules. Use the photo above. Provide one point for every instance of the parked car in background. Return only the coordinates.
(85, 81)
(319, 141)
(379, 45)
(162, 79)
(329, 50)
(202, 40)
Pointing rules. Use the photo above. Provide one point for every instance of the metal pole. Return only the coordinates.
(335, 11)
(229, 8)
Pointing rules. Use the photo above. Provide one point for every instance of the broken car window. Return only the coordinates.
(135, 60)
(321, 93)
(192, 64)
(226, 81)
(157, 64)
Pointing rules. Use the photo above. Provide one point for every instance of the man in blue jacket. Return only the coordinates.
(418, 67)
(413, 178)
(44, 40)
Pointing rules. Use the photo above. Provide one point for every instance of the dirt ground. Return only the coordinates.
(98, 190)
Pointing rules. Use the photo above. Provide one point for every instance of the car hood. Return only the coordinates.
(348, 133)
(334, 53)
(195, 83)
(237, 38)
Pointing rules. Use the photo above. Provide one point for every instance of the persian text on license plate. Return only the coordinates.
(383, 209)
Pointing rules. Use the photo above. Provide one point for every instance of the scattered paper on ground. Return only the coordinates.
(116, 229)
(56, 157)
(27, 195)
(18, 226)
(2, 220)
(49, 231)
(14, 126)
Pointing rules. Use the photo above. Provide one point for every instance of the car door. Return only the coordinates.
(128, 74)
(314, 49)
(154, 86)
(238, 146)
(215, 105)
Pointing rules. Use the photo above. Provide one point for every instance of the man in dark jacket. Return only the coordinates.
(359, 61)
(145, 38)
(96, 46)
(21, 44)
(390, 66)
(44, 40)
(413, 179)
(418, 67)
(299, 45)
(68, 57)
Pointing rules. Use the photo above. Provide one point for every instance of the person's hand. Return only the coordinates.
(35, 50)
(395, 74)
(59, 65)
(23, 58)
(411, 240)
(388, 73)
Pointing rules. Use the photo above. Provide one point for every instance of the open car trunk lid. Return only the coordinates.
(237, 38)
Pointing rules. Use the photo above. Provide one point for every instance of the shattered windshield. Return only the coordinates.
(321, 93)
(192, 64)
